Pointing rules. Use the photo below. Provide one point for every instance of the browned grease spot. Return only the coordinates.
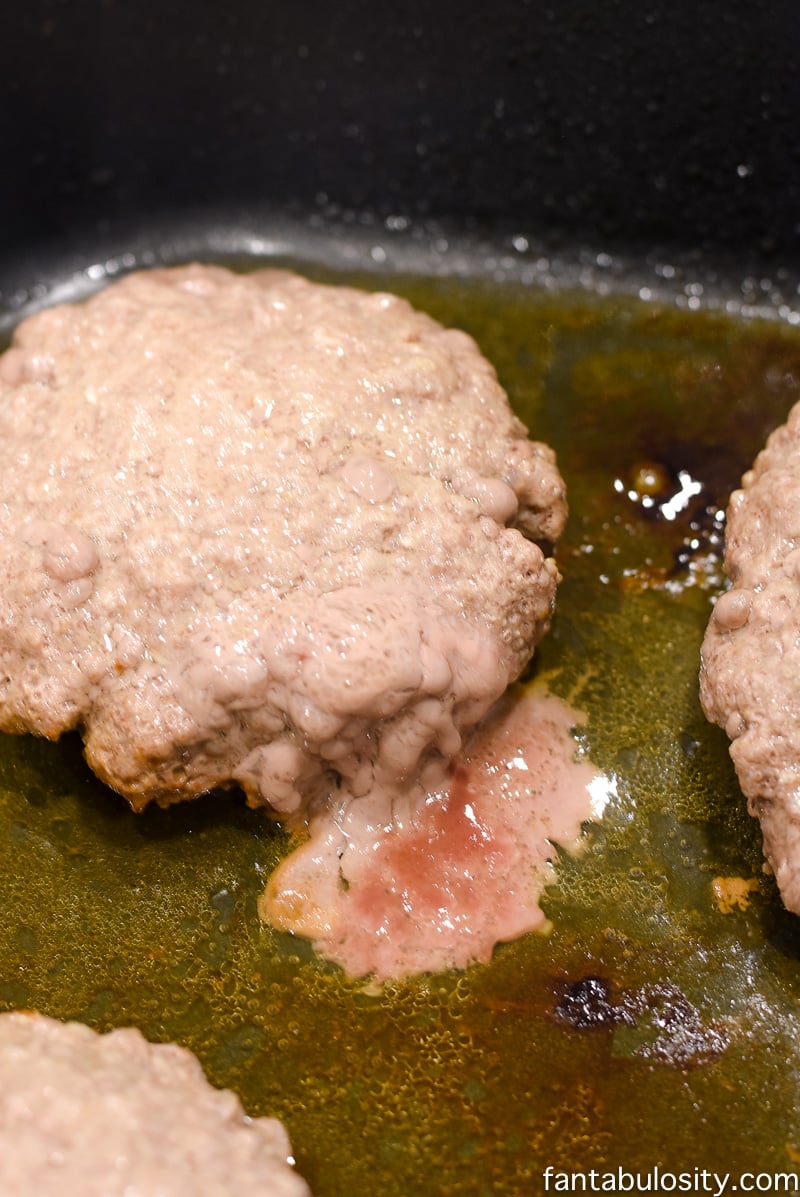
(398, 884)
(733, 893)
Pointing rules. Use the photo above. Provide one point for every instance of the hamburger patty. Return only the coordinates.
(115, 1116)
(751, 651)
(259, 531)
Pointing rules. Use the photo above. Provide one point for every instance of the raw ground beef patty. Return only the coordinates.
(750, 674)
(88, 1115)
(259, 531)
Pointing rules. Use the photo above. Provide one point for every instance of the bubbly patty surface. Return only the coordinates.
(260, 531)
(88, 1115)
(750, 674)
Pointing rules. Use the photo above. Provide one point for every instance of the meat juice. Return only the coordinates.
(392, 885)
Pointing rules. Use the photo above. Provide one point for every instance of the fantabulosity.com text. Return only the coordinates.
(658, 1180)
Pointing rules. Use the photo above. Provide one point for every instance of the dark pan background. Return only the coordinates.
(623, 124)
